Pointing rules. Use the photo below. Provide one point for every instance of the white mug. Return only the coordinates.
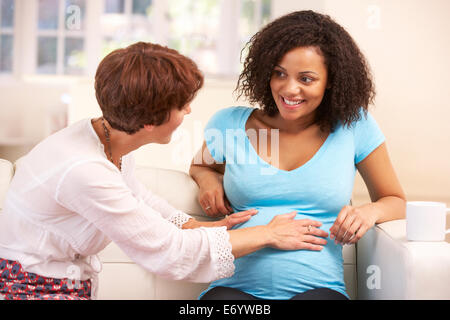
(425, 221)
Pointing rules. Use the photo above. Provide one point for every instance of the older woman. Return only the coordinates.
(76, 191)
(301, 152)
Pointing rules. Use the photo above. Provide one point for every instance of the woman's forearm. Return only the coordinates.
(193, 223)
(243, 241)
(248, 240)
(386, 208)
(201, 173)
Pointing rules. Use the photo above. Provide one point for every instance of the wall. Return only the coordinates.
(29, 111)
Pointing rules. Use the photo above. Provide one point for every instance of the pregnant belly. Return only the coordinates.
(266, 214)
(276, 274)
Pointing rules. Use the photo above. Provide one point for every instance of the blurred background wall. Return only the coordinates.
(49, 50)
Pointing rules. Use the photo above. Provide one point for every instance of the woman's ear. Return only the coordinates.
(148, 127)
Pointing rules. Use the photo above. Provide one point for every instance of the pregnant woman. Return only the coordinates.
(298, 152)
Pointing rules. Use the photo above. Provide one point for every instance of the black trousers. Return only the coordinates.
(226, 293)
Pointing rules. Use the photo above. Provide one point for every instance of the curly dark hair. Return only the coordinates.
(142, 83)
(349, 76)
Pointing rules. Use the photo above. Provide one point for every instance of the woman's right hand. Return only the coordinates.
(282, 232)
(285, 233)
(212, 198)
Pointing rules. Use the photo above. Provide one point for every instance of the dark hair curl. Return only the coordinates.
(142, 83)
(349, 78)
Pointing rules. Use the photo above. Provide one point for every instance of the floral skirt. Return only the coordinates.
(17, 284)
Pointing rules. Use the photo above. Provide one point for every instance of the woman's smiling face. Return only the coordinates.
(298, 83)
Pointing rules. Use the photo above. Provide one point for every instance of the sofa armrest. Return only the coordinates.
(390, 267)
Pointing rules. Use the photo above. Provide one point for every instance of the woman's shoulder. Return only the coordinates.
(230, 116)
(364, 122)
(234, 111)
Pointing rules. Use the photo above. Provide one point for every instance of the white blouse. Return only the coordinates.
(66, 203)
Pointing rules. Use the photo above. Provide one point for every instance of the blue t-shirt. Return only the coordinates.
(317, 190)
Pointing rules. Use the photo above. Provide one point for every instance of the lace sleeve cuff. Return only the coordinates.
(179, 218)
(220, 247)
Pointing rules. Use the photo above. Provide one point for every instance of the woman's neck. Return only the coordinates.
(116, 143)
(286, 127)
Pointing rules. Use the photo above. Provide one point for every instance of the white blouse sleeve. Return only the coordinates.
(97, 192)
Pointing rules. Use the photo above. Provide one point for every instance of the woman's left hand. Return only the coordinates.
(229, 221)
(235, 218)
(351, 224)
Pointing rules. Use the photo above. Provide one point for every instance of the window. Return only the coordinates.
(211, 32)
(70, 37)
(61, 37)
(124, 22)
(254, 14)
(6, 35)
(195, 29)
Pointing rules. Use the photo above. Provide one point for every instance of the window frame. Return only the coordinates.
(61, 34)
(26, 35)
(7, 75)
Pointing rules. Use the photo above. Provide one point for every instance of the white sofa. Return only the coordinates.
(383, 265)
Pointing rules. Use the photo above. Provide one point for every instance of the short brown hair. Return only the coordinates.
(142, 83)
(349, 76)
